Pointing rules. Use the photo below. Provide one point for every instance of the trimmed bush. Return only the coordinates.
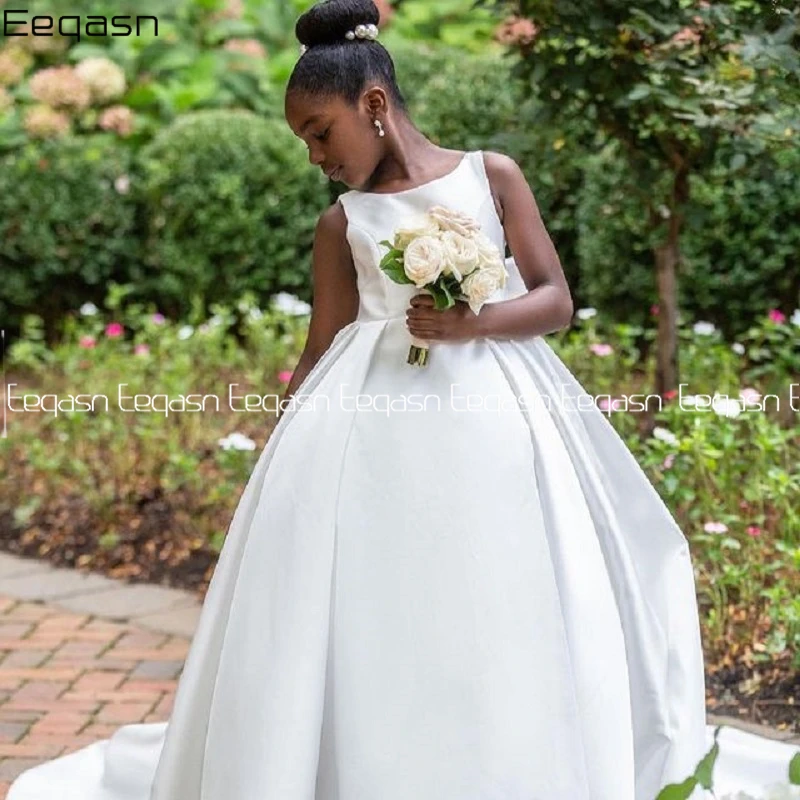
(67, 222)
(231, 204)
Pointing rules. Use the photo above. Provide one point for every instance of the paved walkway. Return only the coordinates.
(76, 662)
(81, 654)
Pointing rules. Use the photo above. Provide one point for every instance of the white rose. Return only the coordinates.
(478, 287)
(487, 249)
(449, 219)
(497, 270)
(422, 226)
(461, 254)
(424, 260)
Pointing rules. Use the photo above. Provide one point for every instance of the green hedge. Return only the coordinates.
(742, 254)
(67, 226)
(230, 204)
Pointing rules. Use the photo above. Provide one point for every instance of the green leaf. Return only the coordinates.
(703, 771)
(395, 271)
(678, 791)
(639, 92)
(738, 161)
(442, 298)
(794, 770)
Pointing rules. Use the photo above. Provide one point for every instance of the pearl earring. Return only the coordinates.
(379, 125)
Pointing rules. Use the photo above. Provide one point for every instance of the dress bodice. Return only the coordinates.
(373, 217)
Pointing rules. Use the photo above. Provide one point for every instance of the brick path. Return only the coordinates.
(69, 679)
(81, 655)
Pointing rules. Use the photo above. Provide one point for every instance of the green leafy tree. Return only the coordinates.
(671, 80)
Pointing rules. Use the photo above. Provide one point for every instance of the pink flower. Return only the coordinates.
(654, 309)
(284, 376)
(245, 47)
(516, 31)
(753, 530)
(113, 329)
(601, 349)
(43, 122)
(87, 342)
(158, 318)
(141, 350)
(670, 394)
(119, 119)
(60, 87)
(685, 35)
(776, 315)
(750, 395)
(615, 404)
(668, 461)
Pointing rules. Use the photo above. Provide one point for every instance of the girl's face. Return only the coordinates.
(342, 141)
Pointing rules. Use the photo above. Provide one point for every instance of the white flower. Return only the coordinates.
(449, 219)
(586, 313)
(488, 252)
(88, 309)
(795, 318)
(738, 348)
(689, 400)
(215, 321)
(185, 331)
(665, 435)
(461, 254)
(782, 791)
(422, 225)
(290, 304)
(255, 313)
(424, 260)
(726, 406)
(122, 184)
(704, 328)
(774, 791)
(497, 269)
(715, 527)
(479, 286)
(236, 441)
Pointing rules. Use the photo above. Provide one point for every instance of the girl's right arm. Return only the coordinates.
(334, 290)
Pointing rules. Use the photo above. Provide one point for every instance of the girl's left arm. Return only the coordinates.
(548, 305)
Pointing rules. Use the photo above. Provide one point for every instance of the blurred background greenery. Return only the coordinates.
(165, 161)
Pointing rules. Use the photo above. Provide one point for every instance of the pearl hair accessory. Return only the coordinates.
(367, 31)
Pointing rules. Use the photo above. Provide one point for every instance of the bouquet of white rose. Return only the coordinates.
(445, 253)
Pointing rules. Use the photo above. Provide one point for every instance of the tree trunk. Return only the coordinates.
(667, 258)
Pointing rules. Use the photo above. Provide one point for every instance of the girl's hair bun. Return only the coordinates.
(329, 20)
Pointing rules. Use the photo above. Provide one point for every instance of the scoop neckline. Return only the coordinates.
(455, 169)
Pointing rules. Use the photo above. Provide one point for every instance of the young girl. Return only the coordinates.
(444, 582)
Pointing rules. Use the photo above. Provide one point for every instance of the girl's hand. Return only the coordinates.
(455, 324)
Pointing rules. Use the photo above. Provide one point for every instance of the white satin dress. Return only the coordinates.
(437, 604)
